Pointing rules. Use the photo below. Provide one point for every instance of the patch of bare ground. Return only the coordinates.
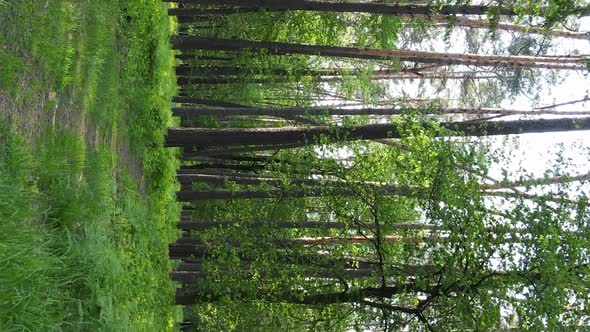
(32, 110)
(125, 157)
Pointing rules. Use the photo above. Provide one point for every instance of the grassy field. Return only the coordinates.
(87, 204)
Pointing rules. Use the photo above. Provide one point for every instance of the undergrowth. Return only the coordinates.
(84, 228)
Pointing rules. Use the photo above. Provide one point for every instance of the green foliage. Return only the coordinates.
(88, 213)
(11, 67)
(33, 281)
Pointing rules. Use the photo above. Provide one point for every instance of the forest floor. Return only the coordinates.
(87, 191)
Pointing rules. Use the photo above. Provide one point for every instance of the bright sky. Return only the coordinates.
(535, 151)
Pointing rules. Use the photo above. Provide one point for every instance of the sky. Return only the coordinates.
(535, 153)
(530, 154)
(536, 150)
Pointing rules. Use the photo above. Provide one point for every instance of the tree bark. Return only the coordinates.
(188, 56)
(201, 225)
(189, 81)
(188, 137)
(189, 13)
(257, 180)
(236, 167)
(397, 9)
(496, 61)
(236, 74)
(212, 194)
(236, 158)
(197, 243)
(329, 111)
(310, 241)
(178, 251)
(461, 21)
(187, 277)
(258, 148)
(189, 267)
(185, 297)
(208, 102)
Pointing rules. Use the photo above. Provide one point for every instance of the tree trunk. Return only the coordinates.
(188, 56)
(188, 137)
(185, 297)
(329, 111)
(208, 102)
(241, 74)
(189, 267)
(189, 81)
(236, 167)
(396, 9)
(311, 241)
(178, 251)
(201, 225)
(189, 13)
(212, 194)
(257, 180)
(496, 61)
(197, 243)
(187, 277)
(221, 172)
(237, 158)
(258, 148)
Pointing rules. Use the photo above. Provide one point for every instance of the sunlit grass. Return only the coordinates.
(83, 240)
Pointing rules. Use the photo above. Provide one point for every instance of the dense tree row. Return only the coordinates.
(319, 195)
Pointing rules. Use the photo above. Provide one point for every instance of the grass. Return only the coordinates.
(87, 204)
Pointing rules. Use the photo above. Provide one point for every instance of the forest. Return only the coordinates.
(295, 165)
(344, 166)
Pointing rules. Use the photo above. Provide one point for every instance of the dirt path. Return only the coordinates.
(33, 110)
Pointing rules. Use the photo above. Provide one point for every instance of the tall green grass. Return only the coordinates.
(83, 240)
(32, 278)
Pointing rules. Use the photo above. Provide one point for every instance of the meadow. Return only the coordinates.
(87, 203)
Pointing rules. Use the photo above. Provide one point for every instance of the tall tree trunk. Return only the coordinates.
(201, 225)
(197, 243)
(329, 74)
(178, 251)
(189, 267)
(236, 167)
(258, 148)
(299, 111)
(310, 241)
(397, 9)
(187, 277)
(189, 13)
(213, 194)
(257, 180)
(189, 81)
(185, 297)
(496, 61)
(188, 137)
(246, 179)
(351, 296)
(237, 158)
(188, 56)
(208, 102)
